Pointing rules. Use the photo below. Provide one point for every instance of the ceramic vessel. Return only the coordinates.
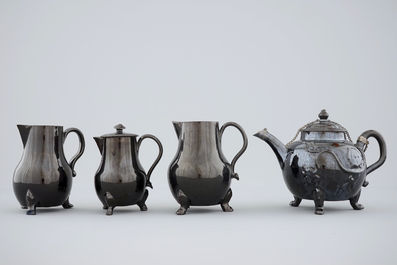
(121, 179)
(325, 165)
(43, 177)
(200, 175)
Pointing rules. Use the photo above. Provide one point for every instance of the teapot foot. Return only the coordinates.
(225, 203)
(67, 204)
(295, 202)
(354, 202)
(30, 203)
(183, 201)
(318, 197)
(141, 204)
(319, 211)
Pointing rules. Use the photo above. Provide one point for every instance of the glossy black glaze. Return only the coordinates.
(121, 179)
(200, 175)
(43, 177)
(325, 165)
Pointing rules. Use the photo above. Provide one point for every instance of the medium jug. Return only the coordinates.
(200, 175)
(121, 179)
(43, 177)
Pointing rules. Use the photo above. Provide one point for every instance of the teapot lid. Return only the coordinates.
(324, 130)
(119, 132)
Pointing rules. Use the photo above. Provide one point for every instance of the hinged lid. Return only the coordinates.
(119, 132)
(323, 130)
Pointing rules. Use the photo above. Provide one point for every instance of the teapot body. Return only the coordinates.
(336, 170)
(43, 177)
(199, 174)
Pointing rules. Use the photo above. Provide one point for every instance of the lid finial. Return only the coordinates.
(323, 115)
(119, 128)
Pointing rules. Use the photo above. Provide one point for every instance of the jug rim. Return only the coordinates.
(40, 125)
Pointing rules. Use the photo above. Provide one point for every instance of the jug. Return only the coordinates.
(325, 165)
(43, 177)
(121, 179)
(200, 175)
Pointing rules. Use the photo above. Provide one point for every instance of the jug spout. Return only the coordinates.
(177, 127)
(24, 132)
(277, 146)
(99, 142)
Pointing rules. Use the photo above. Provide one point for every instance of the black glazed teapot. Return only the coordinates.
(121, 179)
(325, 165)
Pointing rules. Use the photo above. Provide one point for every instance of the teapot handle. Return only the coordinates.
(148, 183)
(245, 143)
(80, 152)
(362, 143)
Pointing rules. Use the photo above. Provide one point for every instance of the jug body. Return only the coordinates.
(43, 177)
(121, 180)
(200, 175)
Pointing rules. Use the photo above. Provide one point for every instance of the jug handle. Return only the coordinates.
(148, 183)
(245, 142)
(79, 153)
(362, 143)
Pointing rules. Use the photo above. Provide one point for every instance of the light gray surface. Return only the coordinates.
(273, 64)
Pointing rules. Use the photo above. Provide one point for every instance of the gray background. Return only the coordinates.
(273, 64)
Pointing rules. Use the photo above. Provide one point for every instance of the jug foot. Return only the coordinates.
(225, 203)
(67, 204)
(141, 204)
(183, 201)
(30, 203)
(110, 210)
(354, 202)
(109, 199)
(318, 197)
(24, 207)
(295, 202)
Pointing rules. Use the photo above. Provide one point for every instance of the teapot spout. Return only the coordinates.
(177, 127)
(277, 146)
(24, 132)
(99, 143)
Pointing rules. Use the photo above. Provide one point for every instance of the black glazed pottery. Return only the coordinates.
(43, 177)
(121, 179)
(325, 165)
(199, 174)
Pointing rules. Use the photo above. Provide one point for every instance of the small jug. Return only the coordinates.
(121, 179)
(200, 175)
(43, 177)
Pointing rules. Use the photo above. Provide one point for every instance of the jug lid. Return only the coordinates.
(323, 130)
(119, 132)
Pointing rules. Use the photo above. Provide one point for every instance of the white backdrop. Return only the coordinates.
(273, 64)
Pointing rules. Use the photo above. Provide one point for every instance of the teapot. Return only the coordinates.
(199, 174)
(120, 179)
(43, 177)
(325, 165)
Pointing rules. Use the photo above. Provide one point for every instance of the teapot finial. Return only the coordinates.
(119, 128)
(323, 115)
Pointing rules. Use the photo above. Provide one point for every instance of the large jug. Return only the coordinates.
(43, 177)
(200, 175)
